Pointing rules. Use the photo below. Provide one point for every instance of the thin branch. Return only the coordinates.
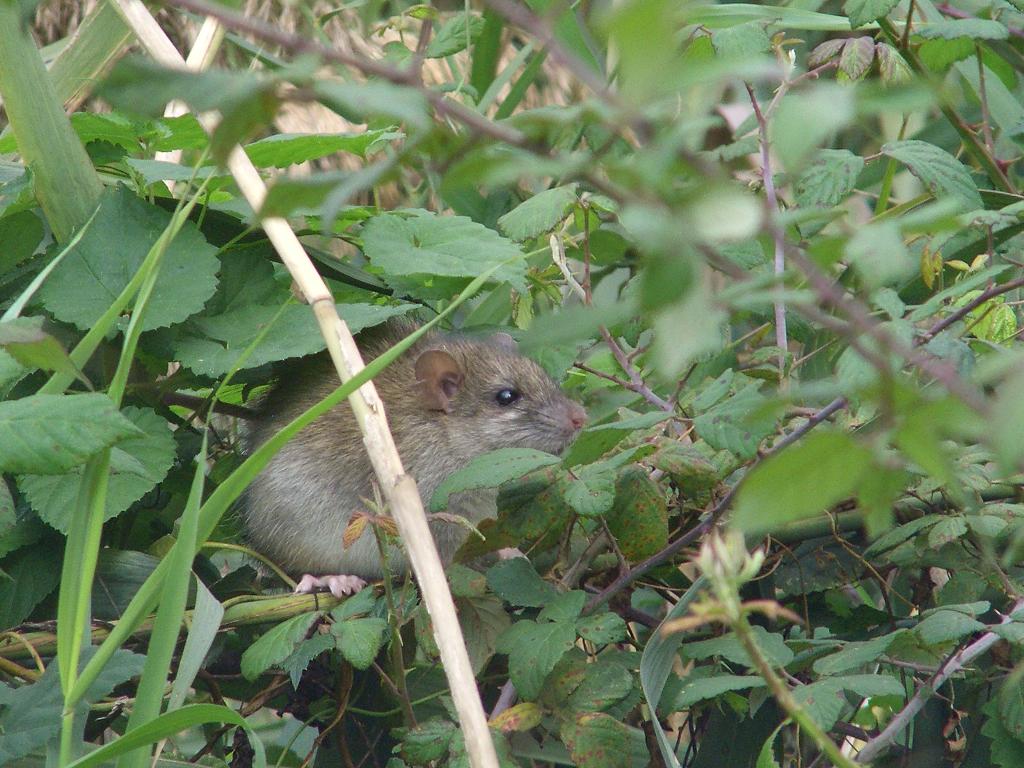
(778, 235)
(966, 309)
(947, 669)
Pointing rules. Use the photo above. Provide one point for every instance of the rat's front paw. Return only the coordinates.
(339, 585)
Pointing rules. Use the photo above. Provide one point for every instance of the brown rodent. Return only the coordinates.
(448, 399)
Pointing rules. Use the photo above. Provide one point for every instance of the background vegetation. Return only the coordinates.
(775, 251)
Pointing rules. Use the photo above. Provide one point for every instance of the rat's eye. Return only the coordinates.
(506, 396)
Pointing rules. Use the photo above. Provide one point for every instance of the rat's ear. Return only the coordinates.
(506, 342)
(438, 377)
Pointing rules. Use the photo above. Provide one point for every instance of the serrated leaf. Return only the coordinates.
(307, 650)
(566, 606)
(602, 628)
(941, 173)
(533, 649)
(951, 29)
(639, 516)
(829, 179)
(597, 740)
(416, 242)
(92, 274)
(738, 424)
(741, 41)
(1006, 750)
(284, 149)
(138, 463)
(805, 479)
(857, 58)
(945, 626)
(521, 717)
(862, 12)
(515, 581)
(276, 644)
(947, 530)
(52, 433)
(855, 654)
(825, 52)
(455, 35)
(603, 685)
(427, 741)
(594, 442)
(592, 492)
(483, 620)
(695, 689)
(771, 644)
(26, 341)
(891, 65)
(539, 214)
(26, 581)
(359, 640)
(491, 470)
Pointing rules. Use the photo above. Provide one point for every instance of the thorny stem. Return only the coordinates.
(778, 236)
(947, 669)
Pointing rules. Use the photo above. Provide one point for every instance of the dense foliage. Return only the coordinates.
(774, 250)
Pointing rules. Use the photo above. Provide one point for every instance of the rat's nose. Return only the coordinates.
(577, 416)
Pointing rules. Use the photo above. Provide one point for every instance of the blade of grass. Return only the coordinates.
(518, 91)
(150, 694)
(503, 79)
(486, 53)
(169, 724)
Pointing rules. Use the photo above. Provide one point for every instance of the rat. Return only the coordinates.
(449, 398)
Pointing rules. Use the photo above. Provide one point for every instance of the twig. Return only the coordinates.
(778, 236)
(946, 670)
(636, 382)
(966, 309)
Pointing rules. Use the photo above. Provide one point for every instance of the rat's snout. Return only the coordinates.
(577, 416)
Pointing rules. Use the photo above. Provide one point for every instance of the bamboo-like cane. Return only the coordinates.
(399, 488)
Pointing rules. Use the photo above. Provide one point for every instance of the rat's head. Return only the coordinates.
(493, 397)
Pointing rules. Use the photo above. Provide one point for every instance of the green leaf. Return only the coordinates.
(30, 715)
(7, 518)
(428, 741)
(491, 470)
(639, 516)
(592, 492)
(806, 119)
(947, 530)
(483, 620)
(308, 649)
(603, 686)
(856, 59)
(26, 581)
(829, 179)
(594, 442)
(360, 103)
(695, 688)
(21, 233)
(276, 644)
(803, 480)
(539, 214)
(564, 607)
(941, 173)
(738, 424)
(862, 12)
(137, 465)
(247, 300)
(52, 433)
(1006, 750)
(741, 41)
(284, 149)
(533, 649)
(602, 628)
(772, 646)
(455, 35)
(597, 740)
(26, 341)
(879, 255)
(93, 273)
(515, 581)
(952, 29)
(946, 626)
(359, 640)
(416, 242)
(855, 654)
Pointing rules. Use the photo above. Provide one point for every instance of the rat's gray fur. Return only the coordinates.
(297, 509)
